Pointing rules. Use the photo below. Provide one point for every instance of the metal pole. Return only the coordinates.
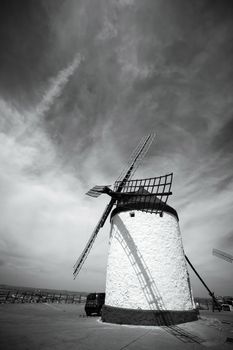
(210, 293)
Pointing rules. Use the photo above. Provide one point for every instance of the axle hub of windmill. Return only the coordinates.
(147, 278)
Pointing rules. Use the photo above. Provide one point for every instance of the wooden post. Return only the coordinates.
(8, 293)
(24, 294)
(16, 294)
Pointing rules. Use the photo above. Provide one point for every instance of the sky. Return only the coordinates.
(81, 82)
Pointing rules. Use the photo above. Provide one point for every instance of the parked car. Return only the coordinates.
(94, 303)
(226, 307)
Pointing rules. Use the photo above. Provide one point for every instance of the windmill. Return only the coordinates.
(147, 279)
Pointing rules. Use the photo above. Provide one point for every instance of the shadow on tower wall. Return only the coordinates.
(162, 316)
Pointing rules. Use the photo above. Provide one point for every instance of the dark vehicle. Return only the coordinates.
(226, 307)
(94, 303)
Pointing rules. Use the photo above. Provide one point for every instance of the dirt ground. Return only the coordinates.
(65, 327)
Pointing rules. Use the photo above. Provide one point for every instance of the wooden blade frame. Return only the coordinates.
(96, 191)
(150, 194)
(222, 255)
(137, 156)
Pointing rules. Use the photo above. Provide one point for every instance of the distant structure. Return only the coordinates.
(147, 277)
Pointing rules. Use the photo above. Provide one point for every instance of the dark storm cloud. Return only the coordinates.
(185, 58)
(175, 48)
(29, 48)
(24, 38)
(223, 140)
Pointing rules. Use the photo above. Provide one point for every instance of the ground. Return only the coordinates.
(65, 326)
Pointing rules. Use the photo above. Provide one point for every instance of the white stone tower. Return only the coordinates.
(147, 278)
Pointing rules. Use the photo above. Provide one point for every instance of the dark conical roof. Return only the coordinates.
(145, 203)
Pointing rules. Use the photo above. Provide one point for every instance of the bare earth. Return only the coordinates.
(64, 326)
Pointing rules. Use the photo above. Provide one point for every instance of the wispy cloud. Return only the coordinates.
(45, 199)
(57, 85)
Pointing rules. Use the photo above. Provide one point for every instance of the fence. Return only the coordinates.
(22, 296)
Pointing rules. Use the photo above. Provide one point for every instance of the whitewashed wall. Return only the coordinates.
(146, 264)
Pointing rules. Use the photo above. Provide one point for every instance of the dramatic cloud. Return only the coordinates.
(79, 87)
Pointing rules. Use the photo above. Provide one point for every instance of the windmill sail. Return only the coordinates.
(223, 255)
(135, 159)
(78, 265)
(96, 191)
(149, 194)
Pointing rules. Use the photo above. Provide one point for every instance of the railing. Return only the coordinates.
(35, 296)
